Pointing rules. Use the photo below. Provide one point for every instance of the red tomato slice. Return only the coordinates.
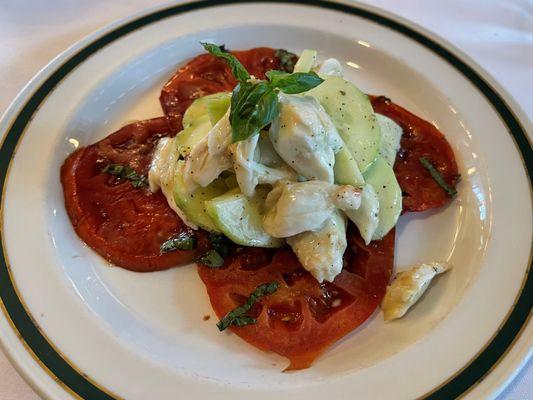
(125, 225)
(420, 139)
(207, 74)
(302, 318)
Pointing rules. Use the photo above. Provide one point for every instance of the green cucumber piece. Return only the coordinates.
(381, 176)
(217, 105)
(391, 134)
(306, 61)
(201, 106)
(193, 204)
(241, 218)
(366, 217)
(199, 118)
(353, 116)
(192, 134)
(346, 171)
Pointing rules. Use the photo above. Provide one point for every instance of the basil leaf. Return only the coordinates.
(238, 315)
(125, 172)
(238, 70)
(243, 320)
(287, 60)
(437, 176)
(113, 169)
(211, 259)
(294, 83)
(253, 106)
(219, 243)
(183, 241)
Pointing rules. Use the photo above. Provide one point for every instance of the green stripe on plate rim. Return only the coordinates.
(78, 382)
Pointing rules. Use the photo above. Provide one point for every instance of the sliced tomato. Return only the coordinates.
(124, 224)
(420, 139)
(207, 74)
(302, 318)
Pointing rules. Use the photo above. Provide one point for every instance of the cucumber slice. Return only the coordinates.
(346, 171)
(366, 217)
(192, 134)
(193, 204)
(241, 218)
(381, 176)
(201, 106)
(391, 134)
(199, 118)
(306, 61)
(353, 116)
(216, 106)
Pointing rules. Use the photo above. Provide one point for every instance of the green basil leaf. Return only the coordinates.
(211, 259)
(125, 172)
(294, 83)
(287, 60)
(238, 70)
(220, 243)
(244, 320)
(253, 106)
(184, 241)
(437, 176)
(238, 315)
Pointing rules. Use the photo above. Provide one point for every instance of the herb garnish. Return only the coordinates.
(214, 258)
(287, 59)
(437, 176)
(238, 315)
(255, 104)
(184, 241)
(211, 259)
(296, 82)
(127, 173)
(219, 243)
(237, 69)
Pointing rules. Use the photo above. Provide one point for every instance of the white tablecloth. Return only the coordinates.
(497, 34)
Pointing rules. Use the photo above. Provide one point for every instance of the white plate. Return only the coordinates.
(75, 326)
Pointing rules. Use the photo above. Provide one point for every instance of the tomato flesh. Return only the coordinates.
(303, 317)
(124, 224)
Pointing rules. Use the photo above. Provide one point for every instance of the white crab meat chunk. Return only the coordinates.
(330, 67)
(321, 252)
(304, 136)
(408, 287)
(162, 172)
(209, 157)
(296, 207)
(246, 156)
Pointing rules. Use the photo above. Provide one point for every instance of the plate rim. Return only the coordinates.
(21, 110)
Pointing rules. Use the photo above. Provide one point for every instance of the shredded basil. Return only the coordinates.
(437, 176)
(211, 259)
(255, 104)
(287, 60)
(220, 243)
(238, 315)
(127, 173)
(184, 241)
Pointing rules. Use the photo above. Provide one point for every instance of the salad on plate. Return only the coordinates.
(284, 183)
